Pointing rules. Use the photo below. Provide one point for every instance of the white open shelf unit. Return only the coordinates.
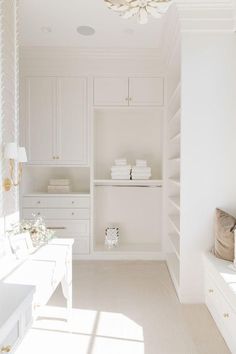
(173, 184)
(135, 133)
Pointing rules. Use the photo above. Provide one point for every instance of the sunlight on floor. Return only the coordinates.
(89, 332)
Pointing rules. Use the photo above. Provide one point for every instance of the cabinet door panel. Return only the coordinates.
(146, 91)
(40, 119)
(110, 91)
(72, 126)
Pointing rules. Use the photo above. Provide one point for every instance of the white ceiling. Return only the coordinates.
(64, 16)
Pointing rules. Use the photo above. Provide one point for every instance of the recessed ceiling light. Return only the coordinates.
(46, 29)
(85, 30)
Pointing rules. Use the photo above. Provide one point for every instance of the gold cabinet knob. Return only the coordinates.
(6, 349)
(211, 291)
(226, 315)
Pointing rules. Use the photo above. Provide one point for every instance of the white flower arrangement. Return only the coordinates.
(36, 227)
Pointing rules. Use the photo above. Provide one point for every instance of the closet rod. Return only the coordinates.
(126, 186)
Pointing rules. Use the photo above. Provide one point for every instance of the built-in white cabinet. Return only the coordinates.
(145, 91)
(67, 215)
(111, 91)
(132, 91)
(56, 120)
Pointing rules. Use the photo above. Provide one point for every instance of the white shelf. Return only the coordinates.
(175, 222)
(175, 159)
(129, 248)
(128, 183)
(173, 266)
(175, 138)
(56, 194)
(174, 94)
(175, 180)
(175, 115)
(175, 242)
(175, 201)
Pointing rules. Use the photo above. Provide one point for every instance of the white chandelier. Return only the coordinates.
(139, 8)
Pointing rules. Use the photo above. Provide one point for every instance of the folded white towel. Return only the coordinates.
(140, 169)
(58, 189)
(127, 177)
(120, 175)
(121, 162)
(140, 177)
(59, 182)
(121, 168)
(141, 163)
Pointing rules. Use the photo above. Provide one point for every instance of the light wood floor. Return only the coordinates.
(123, 308)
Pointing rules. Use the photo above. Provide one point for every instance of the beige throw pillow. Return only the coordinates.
(225, 225)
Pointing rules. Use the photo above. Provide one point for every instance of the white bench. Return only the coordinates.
(220, 296)
(40, 274)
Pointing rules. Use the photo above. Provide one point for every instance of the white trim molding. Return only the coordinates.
(208, 15)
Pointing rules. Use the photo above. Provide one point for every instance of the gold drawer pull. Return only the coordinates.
(211, 291)
(6, 349)
(226, 315)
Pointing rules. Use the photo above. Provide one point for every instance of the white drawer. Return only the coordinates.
(56, 202)
(222, 312)
(71, 214)
(81, 246)
(69, 228)
(11, 338)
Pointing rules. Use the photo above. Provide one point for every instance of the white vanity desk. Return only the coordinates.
(15, 314)
(29, 285)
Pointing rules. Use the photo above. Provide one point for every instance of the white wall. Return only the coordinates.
(8, 103)
(208, 172)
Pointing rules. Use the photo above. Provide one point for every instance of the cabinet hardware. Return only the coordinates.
(211, 291)
(226, 315)
(127, 99)
(38, 202)
(58, 157)
(38, 213)
(6, 349)
(130, 99)
(53, 157)
(72, 213)
(56, 228)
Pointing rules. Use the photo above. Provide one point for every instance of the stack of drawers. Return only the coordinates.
(67, 215)
(220, 296)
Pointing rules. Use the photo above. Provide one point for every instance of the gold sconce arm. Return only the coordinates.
(15, 155)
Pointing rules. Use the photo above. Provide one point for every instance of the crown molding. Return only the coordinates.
(95, 53)
(212, 16)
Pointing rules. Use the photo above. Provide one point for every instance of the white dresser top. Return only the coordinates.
(11, 298)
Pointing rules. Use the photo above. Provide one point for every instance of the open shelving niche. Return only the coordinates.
(173, 184)
(134, 133)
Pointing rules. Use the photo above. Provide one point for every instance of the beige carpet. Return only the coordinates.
(123, 308)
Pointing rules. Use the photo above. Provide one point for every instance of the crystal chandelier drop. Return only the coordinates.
(140, 8)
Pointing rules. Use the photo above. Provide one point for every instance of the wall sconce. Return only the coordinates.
(15, 155)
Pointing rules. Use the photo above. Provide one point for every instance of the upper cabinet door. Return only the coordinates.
(111, 91)
(40, 119)
(72, 126)
(145, 91)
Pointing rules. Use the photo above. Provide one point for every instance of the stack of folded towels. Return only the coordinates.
(141, 170)
(120, 170)
(59, 185)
